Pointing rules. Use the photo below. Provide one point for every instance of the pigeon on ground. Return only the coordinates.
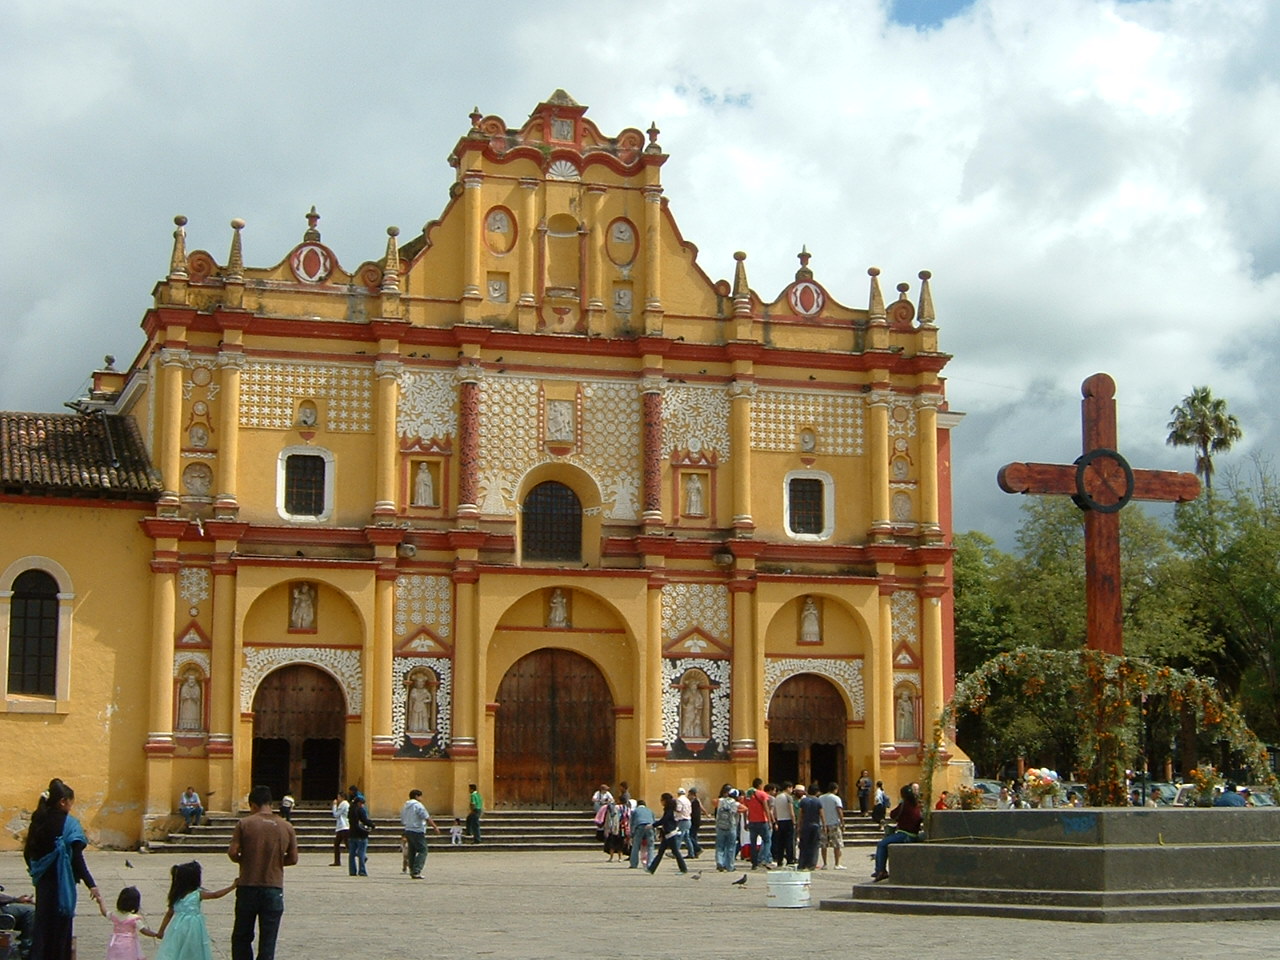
(128, 864)
(740, 881)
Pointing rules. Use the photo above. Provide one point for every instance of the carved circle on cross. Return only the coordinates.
(1104, 481)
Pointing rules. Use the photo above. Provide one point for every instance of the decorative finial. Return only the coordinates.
(740, 288)
(804, 273)
(476, 117)
(391, 270)
(902, 290)
(235, 262)
(312, 235)
(875, 308)
(178, 259)
(925, 311)
(110, 363)
(653, 132)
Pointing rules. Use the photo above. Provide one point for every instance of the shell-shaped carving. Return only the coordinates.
(563, 170)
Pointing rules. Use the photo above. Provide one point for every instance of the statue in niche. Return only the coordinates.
(810, 628)
(899, 469)
(559, 420)
(695, 721)
(191, 702)
(558, 612)
(199, 436)
(693, 499)
(622, 299)
(808, 441)
(302, 610)
(905, 717)
(424, 487)
(499, 222)
(420, 705)
(307, 415)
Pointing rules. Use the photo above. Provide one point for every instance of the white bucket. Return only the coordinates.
(788, 888)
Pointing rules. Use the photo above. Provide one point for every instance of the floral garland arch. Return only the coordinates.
(1106, 686)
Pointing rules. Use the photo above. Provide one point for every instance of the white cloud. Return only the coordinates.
(1091, 182)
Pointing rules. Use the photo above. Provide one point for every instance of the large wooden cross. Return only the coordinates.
(1101, 482)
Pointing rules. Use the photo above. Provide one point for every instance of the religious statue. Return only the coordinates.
(199, 436)
(905, 718)
(622, 299)
(420, 707)
(693, 502)
(694, 722)
(808, 441)
(559, 420)
(810, 628)
(302, 611)
(558, 615)
(307, 415)
(191, 702)
(424, 493)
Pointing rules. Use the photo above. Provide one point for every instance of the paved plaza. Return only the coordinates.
(477, 903)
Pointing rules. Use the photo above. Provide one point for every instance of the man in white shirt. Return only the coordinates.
(784, 834)
(684, 817)
(832, 824)
(414, 818)
(341, 827)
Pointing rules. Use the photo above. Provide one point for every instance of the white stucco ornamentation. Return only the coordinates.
(846, 674)
(427, 408)
(696, 419)
(905, 607)
(269, 393)
(443, 668)
(193, 586)
(510, 448)
(777, 417)
(184, 658)
(902, 418)
(343, 665)
(718, 672)
(424, 601)
(689, 605)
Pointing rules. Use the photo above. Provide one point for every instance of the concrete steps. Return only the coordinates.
(510, 830)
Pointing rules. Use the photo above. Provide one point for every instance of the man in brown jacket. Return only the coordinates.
(263, 844)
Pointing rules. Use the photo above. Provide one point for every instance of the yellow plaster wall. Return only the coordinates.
(95, 745)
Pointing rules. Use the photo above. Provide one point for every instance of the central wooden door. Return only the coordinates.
(554, 732)
(299, 719)
(807, 728)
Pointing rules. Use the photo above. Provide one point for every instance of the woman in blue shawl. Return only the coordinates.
(55, 859)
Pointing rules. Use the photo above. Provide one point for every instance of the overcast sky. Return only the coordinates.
(1095, 184)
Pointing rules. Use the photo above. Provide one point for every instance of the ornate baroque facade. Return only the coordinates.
(530, 501)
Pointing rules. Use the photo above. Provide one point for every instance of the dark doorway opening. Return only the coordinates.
(807, 729)
(303, 707)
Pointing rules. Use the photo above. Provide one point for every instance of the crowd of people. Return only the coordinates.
(768, 825)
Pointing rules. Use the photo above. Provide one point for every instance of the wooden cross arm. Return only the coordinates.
(1055, 478)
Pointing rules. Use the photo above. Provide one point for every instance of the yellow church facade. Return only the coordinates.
(529, 502)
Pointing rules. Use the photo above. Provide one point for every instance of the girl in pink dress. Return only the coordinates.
(127, 926)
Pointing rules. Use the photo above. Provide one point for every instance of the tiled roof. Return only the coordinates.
(80, 455)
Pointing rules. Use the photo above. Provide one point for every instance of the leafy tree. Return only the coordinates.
(1233, 550)
(1201, 421)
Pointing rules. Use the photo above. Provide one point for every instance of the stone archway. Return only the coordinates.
(807, 729)
(299, 725)
(554, 731)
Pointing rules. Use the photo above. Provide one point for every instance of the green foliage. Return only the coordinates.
(1232, 546)
(1201, 421)
(1035, 598)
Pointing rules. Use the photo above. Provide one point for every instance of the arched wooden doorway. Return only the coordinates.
(807, 722)
(299, 719)
(554, 732)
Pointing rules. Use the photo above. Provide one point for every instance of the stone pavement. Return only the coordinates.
(479, 903)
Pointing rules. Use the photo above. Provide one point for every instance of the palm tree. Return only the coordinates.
(1201, 421)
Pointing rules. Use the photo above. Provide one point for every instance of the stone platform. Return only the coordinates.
(1092, 865)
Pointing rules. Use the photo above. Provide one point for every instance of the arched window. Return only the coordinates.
(33, 634)
(552, 526)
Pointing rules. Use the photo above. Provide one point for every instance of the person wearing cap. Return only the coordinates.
(728, 809)
(684, 816)
(809, 810)
(1229, 797)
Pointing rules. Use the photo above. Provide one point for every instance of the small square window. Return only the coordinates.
(806, 502)
(304, 485)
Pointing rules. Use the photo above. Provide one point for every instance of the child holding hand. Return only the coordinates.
(183, 933)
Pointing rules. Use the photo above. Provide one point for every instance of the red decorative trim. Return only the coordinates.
(155, 749)
(655, 751)
(463, 751)
(309, 646)
(219, 748)
(384, 749)
(163, 528)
